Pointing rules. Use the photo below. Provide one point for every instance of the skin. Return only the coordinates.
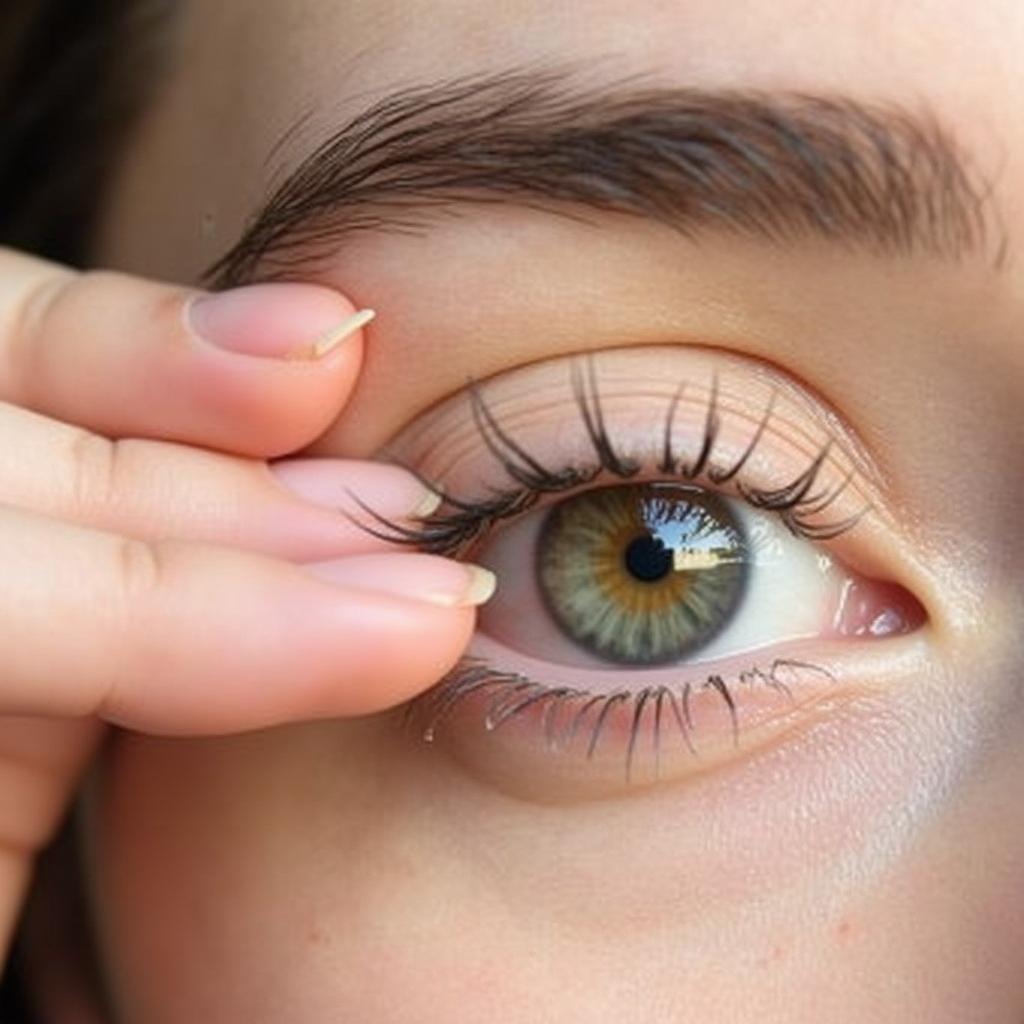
(870, 867)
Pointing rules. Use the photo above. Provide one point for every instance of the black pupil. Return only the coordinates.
(648, 559)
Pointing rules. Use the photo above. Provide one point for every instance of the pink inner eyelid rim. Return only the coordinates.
(621, 678)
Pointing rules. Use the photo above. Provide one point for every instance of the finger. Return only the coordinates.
(300, 509)
(40, 760)
(179, 637)
(237, 371)
(37, 755)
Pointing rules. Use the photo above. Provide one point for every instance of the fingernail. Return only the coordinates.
(387, 489)
(283, 321)
(334, 337)
(423, 577)
(428, 504)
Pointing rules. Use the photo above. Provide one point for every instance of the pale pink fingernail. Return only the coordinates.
(304, 321)
(423, 577)
(386, 489)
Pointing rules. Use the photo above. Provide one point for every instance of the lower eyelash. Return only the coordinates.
(458, 524)
(568, 710)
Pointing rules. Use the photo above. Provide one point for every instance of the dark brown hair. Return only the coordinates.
(74, 76)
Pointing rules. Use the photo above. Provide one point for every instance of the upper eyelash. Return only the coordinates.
(451, 530)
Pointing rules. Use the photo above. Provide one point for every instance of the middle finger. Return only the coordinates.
(293, 508)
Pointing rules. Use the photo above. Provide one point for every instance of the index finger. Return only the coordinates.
(251, 371)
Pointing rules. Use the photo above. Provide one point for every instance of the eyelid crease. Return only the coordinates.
(775, 380)
(725, 477)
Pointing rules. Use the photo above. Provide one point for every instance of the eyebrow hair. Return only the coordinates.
(774, 167)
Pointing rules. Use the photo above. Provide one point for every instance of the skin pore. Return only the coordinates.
(864, 865)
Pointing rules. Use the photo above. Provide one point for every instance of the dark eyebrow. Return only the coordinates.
(776, 167)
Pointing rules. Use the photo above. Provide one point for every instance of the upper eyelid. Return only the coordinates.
(453, 532)
(795, 495)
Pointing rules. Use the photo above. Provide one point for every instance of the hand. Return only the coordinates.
(154, 584)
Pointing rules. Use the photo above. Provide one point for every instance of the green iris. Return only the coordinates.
(642, 574)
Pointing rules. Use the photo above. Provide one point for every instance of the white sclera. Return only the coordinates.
(792, 591)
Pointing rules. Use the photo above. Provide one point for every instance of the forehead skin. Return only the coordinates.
(305, 839)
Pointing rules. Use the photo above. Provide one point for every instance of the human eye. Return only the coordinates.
(694, 559)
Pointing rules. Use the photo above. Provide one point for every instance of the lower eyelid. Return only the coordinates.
(529, 757)
(557, 731)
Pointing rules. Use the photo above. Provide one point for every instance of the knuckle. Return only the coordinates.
(25, 327)
(131, 620)
(92, 472)
(140, 571)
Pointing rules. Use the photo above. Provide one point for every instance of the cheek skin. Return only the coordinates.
(338, 870)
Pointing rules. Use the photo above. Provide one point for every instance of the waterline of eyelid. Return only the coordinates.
(458, 522)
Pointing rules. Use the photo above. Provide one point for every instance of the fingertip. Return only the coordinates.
(394, 650)
(417, 659)
(308, 344)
